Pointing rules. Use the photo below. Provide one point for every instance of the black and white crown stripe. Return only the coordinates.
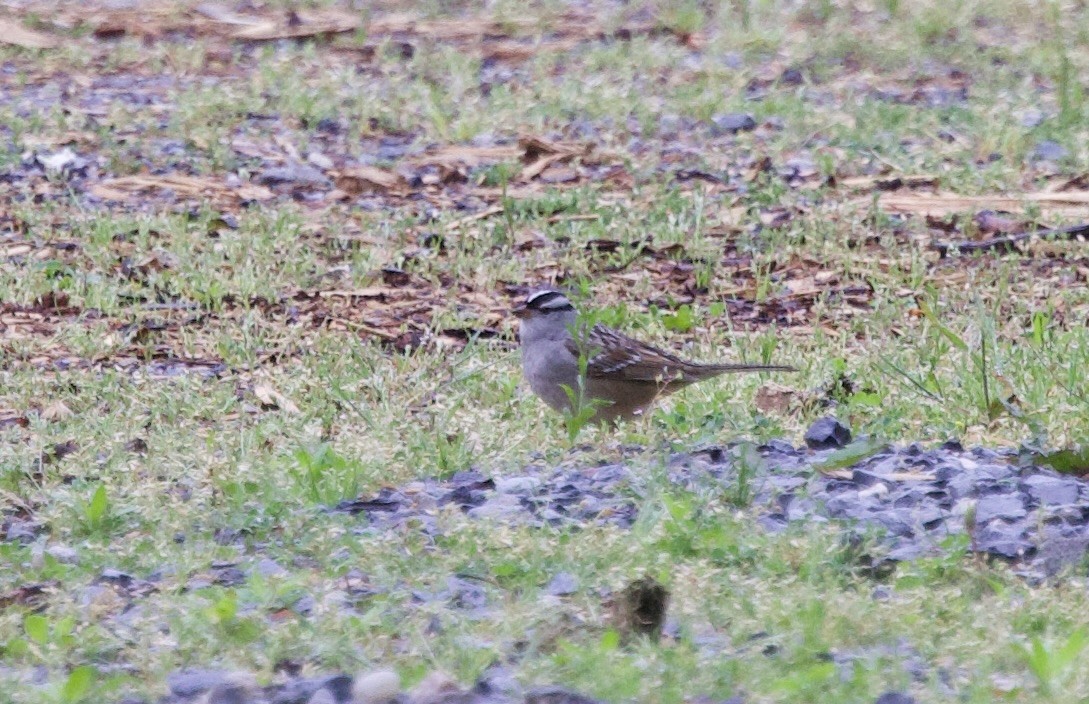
(548, 301)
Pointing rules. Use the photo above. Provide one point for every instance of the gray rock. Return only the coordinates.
(268, 567)
(499, 507)
(864, 476)
(896, 521)
(827, 432)
(378, 687)
(961, 484)
(22, 531)
(304, 605)
(1003, 540)
(914, 515)
(1051, 491)
(300, 691)
(1049, 150)
(557, 695)
(1032, 118)
(881, 593)
(1005, 506)
(1059, 551)
(230, 693)
(322, 696)
(732, 123)
(563, 584)
(518, 486)
(465, 594)
(63, 554)
(189, 683)
(910, 550)
(297, 174)
(500, 684)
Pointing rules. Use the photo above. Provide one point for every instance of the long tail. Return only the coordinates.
(730, 368)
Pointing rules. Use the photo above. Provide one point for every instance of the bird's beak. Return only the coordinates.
(520, 312)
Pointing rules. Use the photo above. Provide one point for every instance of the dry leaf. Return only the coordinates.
(366, 179)
(470, 156)
(559, 174)
(11, 417)
(297, 26)
(57, 411)
(14, 33)
(270, 398)
(373, 292)
(775, 398)
(943, 204)
(887, 182)
(134, 187)
(806, 286)
(531, 171)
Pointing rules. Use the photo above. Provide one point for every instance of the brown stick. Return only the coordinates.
(1007, 242)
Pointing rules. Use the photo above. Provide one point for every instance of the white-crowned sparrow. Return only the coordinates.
(623, 376)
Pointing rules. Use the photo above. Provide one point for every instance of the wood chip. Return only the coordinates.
(56, 411)
(126, 188)
(273, 399)
(374, 292)
(14, 33)
(301, 25)
(944, 204)
(483, 214)
(366, 179)
(775, 398)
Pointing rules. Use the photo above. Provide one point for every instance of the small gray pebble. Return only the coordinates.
(267, 567)
(378, 687)
(322, 696)
(63, 554)
(1007, 506)
(1032, 118)
(827, 432)
(300, 174)
(189, 683)
(517, 485)
(732, 123)
(1049, 150)
(230, 693)
(563, 584)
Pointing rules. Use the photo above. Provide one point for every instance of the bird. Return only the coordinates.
(621, 376)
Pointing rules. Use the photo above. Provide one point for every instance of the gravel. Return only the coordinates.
(909, 498)
(905, 500)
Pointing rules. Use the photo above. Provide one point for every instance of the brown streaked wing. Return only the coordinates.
(615, 355)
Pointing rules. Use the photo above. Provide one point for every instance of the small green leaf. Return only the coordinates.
(866, 398)
(852, 454)
(1070, 651)
(225, 609)
(505, 569)
(680, 321)
(37, 628)
(946, 332)
(99, 504)
(610, 640)
(16, 647)
(1039, 327)
(78, 684)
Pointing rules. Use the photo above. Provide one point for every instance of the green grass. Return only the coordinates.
(989, 349)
